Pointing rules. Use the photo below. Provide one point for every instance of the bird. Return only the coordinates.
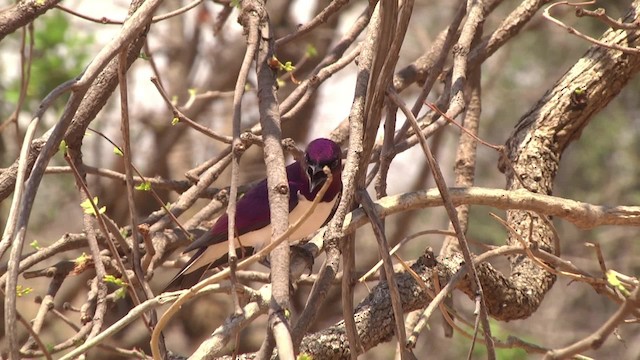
(253, 219)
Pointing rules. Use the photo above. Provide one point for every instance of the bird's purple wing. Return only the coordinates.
(252, 211)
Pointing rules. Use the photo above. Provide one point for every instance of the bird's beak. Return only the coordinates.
(317, 177)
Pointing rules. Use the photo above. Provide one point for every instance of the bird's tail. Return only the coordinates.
(185, 280)
(188, 277)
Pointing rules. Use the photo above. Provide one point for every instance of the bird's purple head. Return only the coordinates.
(320, 153)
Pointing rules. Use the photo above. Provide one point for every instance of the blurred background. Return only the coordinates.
(192, 55)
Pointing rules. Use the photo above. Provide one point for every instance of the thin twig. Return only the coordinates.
(383, 249)
(610, 45)
(107, 21)
(318, 20)
(237, 149)
(601, 15)
(184, 118)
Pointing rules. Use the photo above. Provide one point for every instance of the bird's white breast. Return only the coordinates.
(260, 237)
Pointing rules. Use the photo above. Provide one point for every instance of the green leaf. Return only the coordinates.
(34, 244)
(88, 208)
(121, 292)
(174, 121)
(311, 51)
(236, 3)
(144, 186)
(192, 92)
(612, 279)
(288, 66)
(117, 151)
(63, 147)
(22, 291)
(81, 260)
(304, 356)
(110, 279)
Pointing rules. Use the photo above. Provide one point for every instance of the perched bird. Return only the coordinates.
(253, 218)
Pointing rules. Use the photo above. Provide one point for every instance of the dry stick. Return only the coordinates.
(386, 157)
(466, 155)
(45, 352)
(444, 46)
(136, 259)
(277, 182)
(453, 215)
(348, 249)
(464, 169)
(106, 21)
(46, 305)
(156, 182)
(67, 242)
(582, 215)
(383, 249)
(236, 152)
(547, 15)
(318, 20)
(241, 265)
(184, 118)
(601, 15)
(598, 251)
